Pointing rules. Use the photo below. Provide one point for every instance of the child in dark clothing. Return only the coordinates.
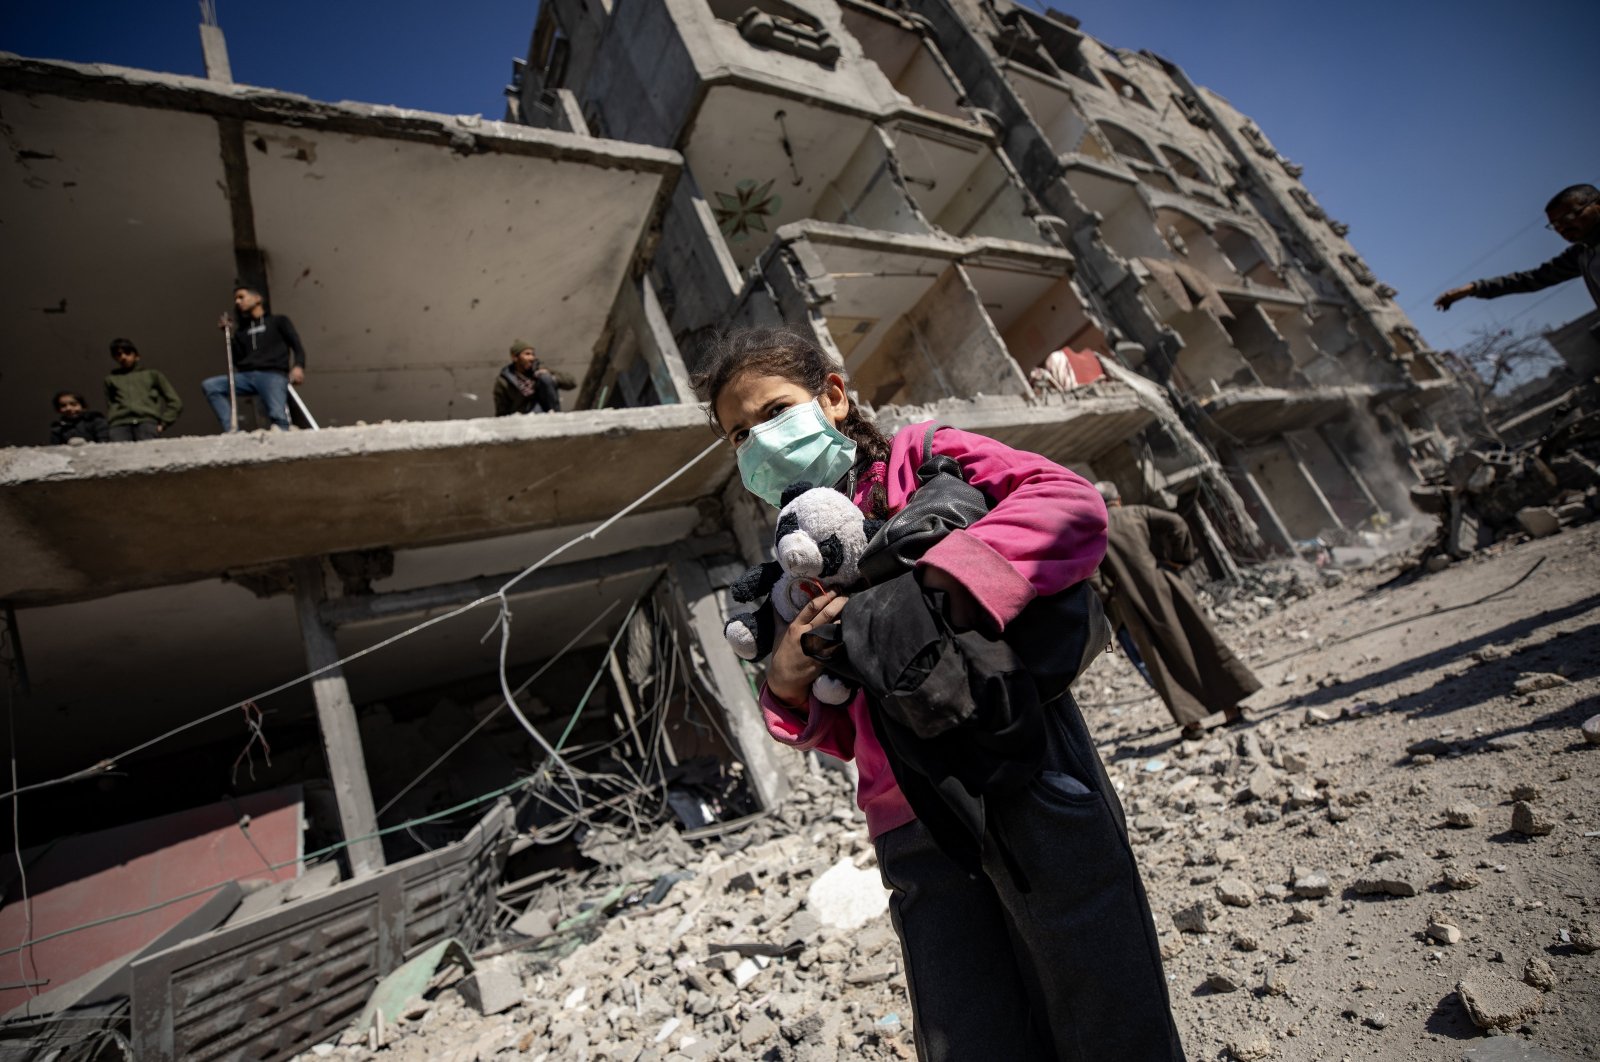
(140, 403)
(76, 421)
(1047, 952)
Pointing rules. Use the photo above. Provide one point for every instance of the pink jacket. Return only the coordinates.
(1046, 532)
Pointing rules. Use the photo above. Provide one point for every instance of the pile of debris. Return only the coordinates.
(771, 941)
(1262, 589)
(1491, 493)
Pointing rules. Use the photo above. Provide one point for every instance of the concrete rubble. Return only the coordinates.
(1358, 923)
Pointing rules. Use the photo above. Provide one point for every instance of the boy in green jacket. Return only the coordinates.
(140, 403)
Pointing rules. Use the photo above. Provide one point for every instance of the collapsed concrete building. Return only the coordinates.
(941, 194)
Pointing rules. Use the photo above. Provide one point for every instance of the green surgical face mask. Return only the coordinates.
(798, 444)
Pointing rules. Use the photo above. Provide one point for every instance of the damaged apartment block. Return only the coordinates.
(298, 711)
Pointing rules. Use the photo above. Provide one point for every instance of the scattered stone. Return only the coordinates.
(1437, 562)
(1250, 1049)
(1301, 915)
(846, 897)
(1301, 796)
(493, 987)
(1591, 730)
(1527, 791)
(1376, 1020)
(1246, 942)
(1535, 681)
(1311, 884)
(1497, 1002)
(1505, 743)
(1539, 521)
(1319, 716)
(1193, 918)
(1444, 932)
(1390, 878)
(745, 972)
(1296, 759)
(1461, 815)
(757, 1031)
(1529, 820)
(533, 923)
(1456, 877)
(1582, 939)
(870, 975)
(1430, 747)
(1223, 981)
(1236, 892)
(1276, 981)
(1490, 653)
(1538, 973)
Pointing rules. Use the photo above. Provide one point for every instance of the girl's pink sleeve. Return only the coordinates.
(1046, 531)
(825, 727)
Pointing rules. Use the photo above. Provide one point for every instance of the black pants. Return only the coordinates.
(1067, 968)
(138, 432)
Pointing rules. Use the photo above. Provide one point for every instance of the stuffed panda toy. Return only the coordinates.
(819, 540)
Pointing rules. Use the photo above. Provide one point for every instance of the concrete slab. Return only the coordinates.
(91, 521)
(1254, 413)
(1072, 432)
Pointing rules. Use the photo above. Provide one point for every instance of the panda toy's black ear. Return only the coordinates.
(872, 527)
(793, 491)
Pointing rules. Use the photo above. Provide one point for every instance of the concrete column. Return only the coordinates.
(1316, 488)
(215, 51)
(1271, 524)
(756, 748)
(1354, 473)
(341, 737)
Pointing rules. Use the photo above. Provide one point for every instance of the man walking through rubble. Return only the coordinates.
(1574, 215)
(1195, 673)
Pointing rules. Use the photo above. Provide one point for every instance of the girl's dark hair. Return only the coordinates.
(56, 401)
(780, 352)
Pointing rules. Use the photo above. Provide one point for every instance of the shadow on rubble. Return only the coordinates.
(1471, 688)
(1449, 1018)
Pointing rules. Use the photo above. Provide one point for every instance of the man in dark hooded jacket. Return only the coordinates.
(1195, 673)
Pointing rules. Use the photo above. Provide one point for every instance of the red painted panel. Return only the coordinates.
(82, 879)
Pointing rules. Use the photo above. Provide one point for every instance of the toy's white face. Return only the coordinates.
(752, 398)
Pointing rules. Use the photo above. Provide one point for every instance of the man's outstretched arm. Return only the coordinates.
(1564, 266)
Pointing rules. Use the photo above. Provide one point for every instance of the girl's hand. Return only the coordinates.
(791, 672)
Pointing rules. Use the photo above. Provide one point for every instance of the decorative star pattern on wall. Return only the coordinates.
(746, 210)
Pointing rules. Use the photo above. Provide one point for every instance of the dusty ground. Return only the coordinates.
(1318, 795)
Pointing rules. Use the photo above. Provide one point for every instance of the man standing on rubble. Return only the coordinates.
(1574, 214)
(1195, 673)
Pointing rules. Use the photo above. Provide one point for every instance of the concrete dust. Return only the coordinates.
(1344, 878)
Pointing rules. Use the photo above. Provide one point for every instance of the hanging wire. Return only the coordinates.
(499, 595)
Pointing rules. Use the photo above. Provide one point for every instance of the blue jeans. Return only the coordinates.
(270, 388)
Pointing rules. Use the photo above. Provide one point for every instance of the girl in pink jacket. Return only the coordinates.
(1049, 952)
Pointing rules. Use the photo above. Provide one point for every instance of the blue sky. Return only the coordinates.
(1436, 129)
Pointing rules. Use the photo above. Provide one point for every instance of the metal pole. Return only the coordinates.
(233, 394)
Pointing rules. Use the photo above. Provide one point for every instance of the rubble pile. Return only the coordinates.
(1261, 590)
(1491, 493)
(1373, 868)
(772, 942)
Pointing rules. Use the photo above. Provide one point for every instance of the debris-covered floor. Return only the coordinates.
(1409, 823)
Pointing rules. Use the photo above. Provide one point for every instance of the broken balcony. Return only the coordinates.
(406, 301)
(923, 318)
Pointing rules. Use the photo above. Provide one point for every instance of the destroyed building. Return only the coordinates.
(988, 216)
